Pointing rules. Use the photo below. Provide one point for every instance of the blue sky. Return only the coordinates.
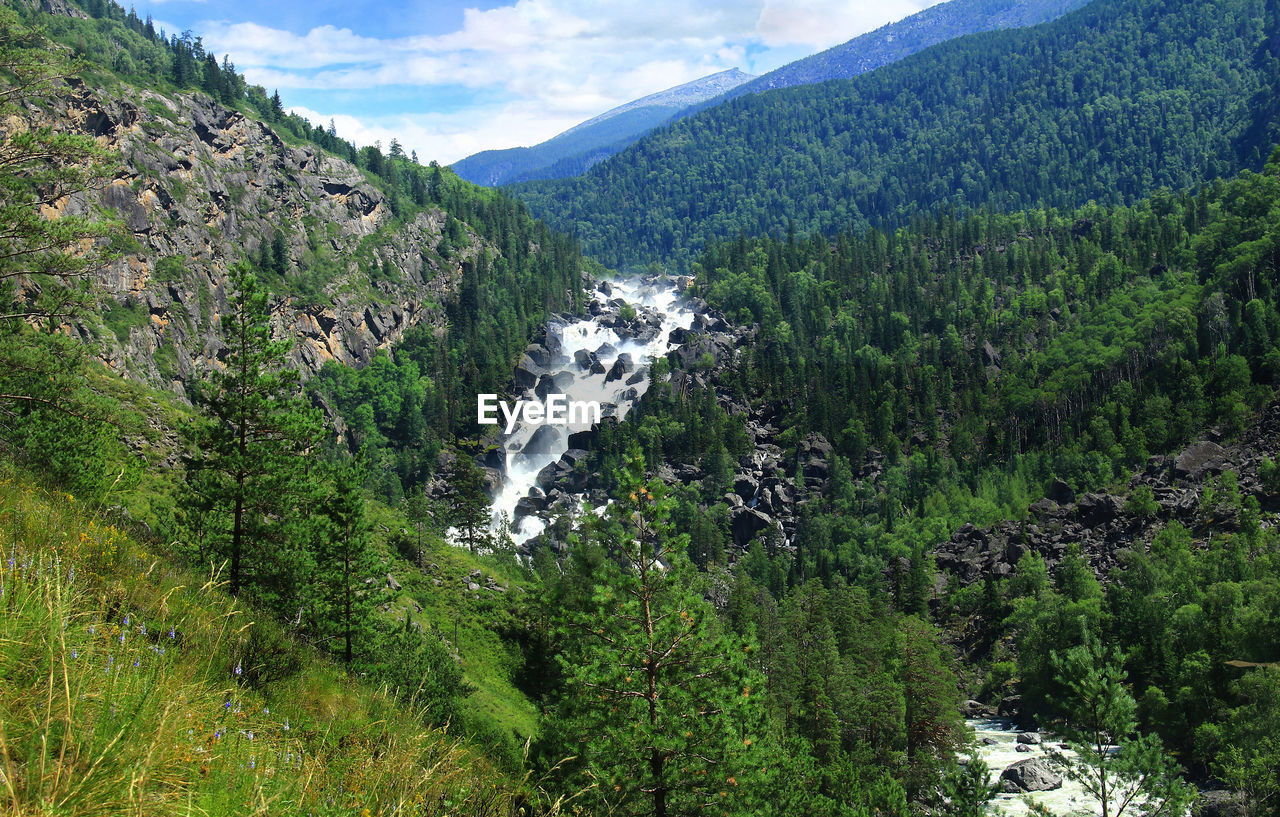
(451, 78)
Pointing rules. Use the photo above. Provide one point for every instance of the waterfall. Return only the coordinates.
(605, 358)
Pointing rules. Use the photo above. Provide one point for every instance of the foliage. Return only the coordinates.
(121, 695)
(1121, 770)
(247, 490)
(667, 715)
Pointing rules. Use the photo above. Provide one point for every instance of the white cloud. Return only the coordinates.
(821, 24)
(562, 61)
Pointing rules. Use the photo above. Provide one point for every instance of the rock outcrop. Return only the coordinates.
(1032, 774)
(203, 186)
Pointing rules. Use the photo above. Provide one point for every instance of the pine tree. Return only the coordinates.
(658, 700)
(343, 607)
(46, 265)
(1124, 771)
(245, 478)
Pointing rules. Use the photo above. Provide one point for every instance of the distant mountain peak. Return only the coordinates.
(681, 96)
(573, 151)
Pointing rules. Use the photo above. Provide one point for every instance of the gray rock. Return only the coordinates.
(526, 373)
(392, 583)
(1022, 747)
(746, 523)
(1032, 738)
(541, 441)
(1032, 774)
(1200, 458)
(974, 709)
(1220, 803)
(621, 367)
(1061, 493)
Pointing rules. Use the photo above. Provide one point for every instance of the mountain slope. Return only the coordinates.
(1107, 103)
(894, 41)
(358, 247)
(579, 148)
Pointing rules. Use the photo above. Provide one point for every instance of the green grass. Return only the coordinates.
(496, 707)
(130, 687)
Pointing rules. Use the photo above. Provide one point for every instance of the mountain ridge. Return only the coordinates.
(1012, 118)
(583, 145)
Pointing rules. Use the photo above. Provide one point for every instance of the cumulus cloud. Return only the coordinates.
(557, 62)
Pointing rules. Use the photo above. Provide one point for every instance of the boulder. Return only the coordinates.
(1010, 707)
(1061, 493)
(540, 355)
(392, 584)
(1029, 738)
(541, 442)
(1098, 509)
(746, 486)
(1032, 774)
(529, 505)
(1200, 458)
(746, 523)
(585, 359)
(1046, 508)
(621, 366)
(975, 709)
(526, 374)
(1022, 747)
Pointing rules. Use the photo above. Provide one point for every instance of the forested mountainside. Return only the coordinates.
(1107, 104)
(890, 43)
(1036, 397)
(576, 150)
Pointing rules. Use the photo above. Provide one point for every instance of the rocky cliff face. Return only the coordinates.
(202, 187)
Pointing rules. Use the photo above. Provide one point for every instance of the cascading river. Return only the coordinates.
(604, 358)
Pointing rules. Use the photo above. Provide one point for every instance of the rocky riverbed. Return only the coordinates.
(1019, 764)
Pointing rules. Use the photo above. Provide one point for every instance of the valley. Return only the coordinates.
(896, 433)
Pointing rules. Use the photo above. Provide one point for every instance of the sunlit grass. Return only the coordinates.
(129, 688)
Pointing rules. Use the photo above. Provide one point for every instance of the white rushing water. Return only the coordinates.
(531, 448)
(1069, 799)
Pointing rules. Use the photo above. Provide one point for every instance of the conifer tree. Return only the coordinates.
(245, 481)
(468, 502)
(343, 603)
(1123, 770)
(46, 265)
(660, 702)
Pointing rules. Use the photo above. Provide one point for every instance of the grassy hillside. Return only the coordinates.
(133, 686)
